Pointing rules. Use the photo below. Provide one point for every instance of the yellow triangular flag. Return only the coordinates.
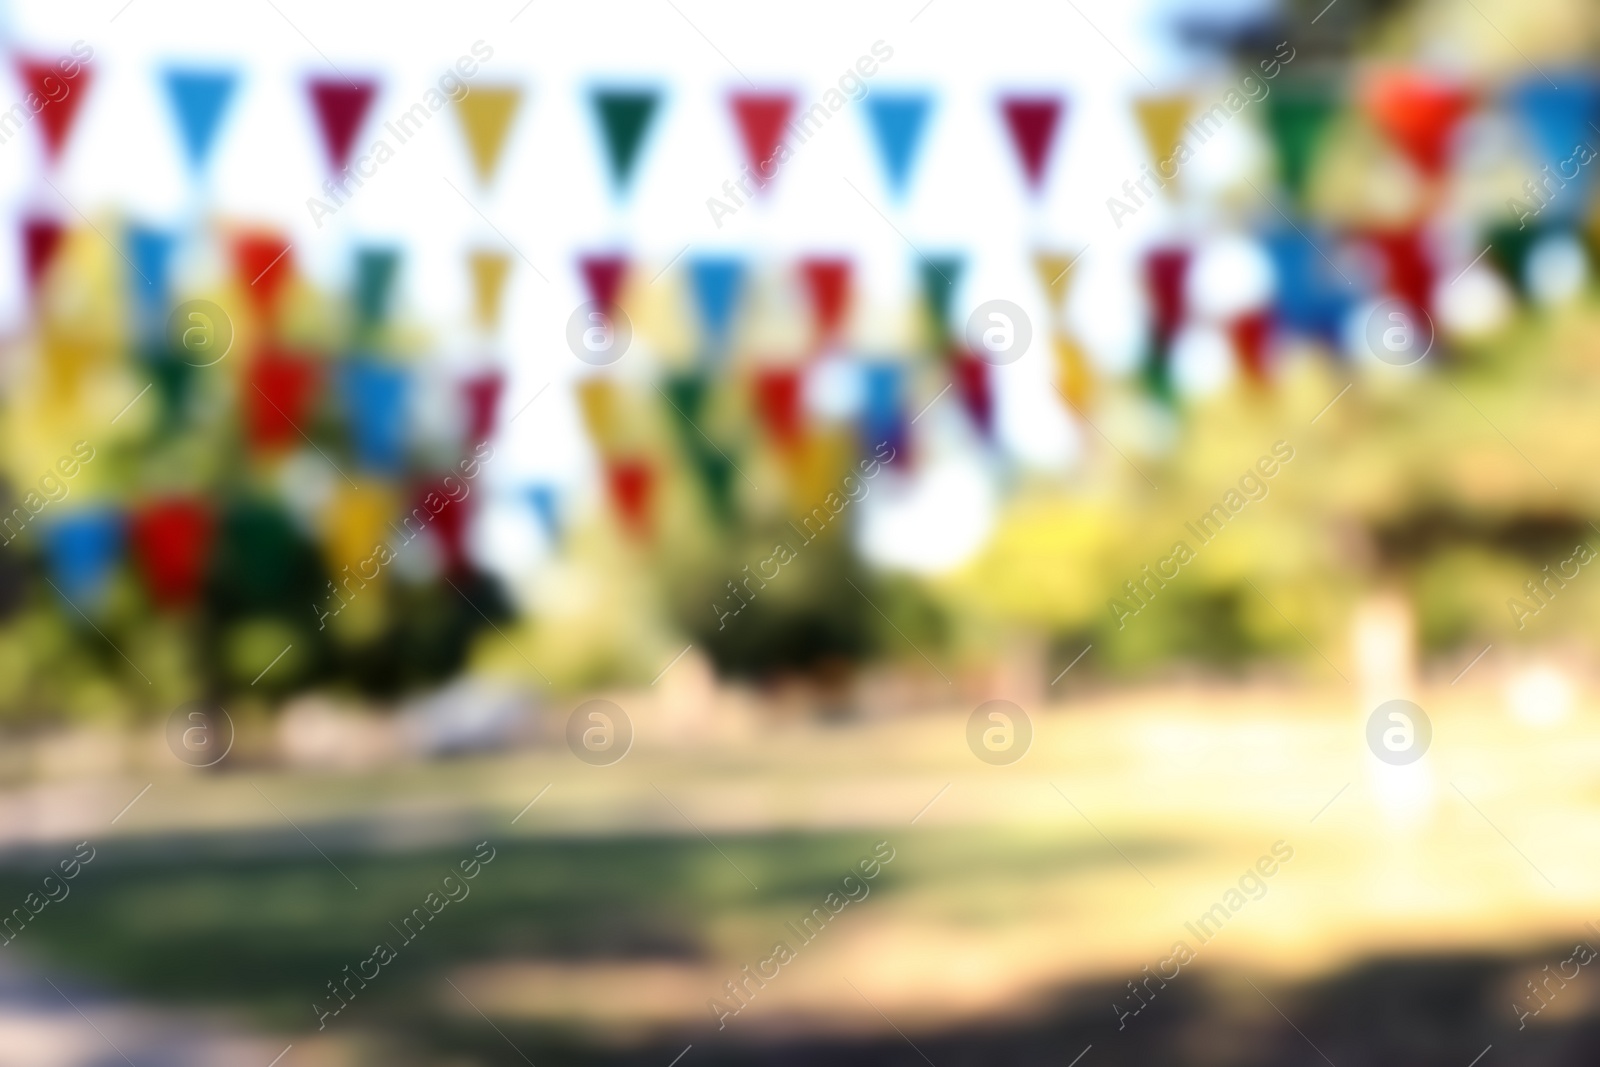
(489, 270)
(1072, 373)
(1161, 119)
(597, 399)
(486, 115)
(1054, 270)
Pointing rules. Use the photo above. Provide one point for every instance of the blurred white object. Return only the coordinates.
(1540, 695)
(1383, 636)
(470, 715)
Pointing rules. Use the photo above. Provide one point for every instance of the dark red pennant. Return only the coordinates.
(1249, 333)
(1409, 272)
(1166, 270)
(263, 264)
(482, 396)
(778, 395)
(277, 398)
(41, 240)
(603, 275)
(60, 96)
(828, 283)
(1032, 121)
(449, 520)
(341, 106)
(630, 481)
(761, 118)
(171, 539)
(973, 383)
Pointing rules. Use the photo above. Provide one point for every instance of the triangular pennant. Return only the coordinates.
(1032, 122)
(82, 549)
(778, 395)
(150, 251)
(375, 274)
(602, 277)
(1419, 112)
(883, 408)
(489, 271)
(1249, 334)
(686, 394)
(761, 118)
(630, 481)
(171, 540)
(263, 264)
(374, 397)
(486, 113)
(625, 116)
(1073, 378)
(973, 385)
(449, 523)
(277, 399)
(897, 121)
(1161, 120)
(716, 283)
(1408, 269)
(597, 401)
(1510, 246)
(827, 283)
(939, 277)
(1054, 271)
(341, 106)
(199, 99)
(1310, 299)
(41, 241)
(59, 86)
(1557, 122)
(1297, 115)
(1166, 272)
(543, 500)
(481, 396)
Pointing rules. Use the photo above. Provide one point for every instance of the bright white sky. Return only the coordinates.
(553, 196)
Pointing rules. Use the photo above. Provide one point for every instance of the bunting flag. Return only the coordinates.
(827, 283)
(761, 118)
(174, 382)
(199, 100)
(261, 559)
(1408, 270)
(489, 271)
(1419, 113)
(262, 264)
(1249, 333)
(450, 521)
(280, 387)
(1161, 120)
(597, 400)
(1166, 276)
(1297, 115)
(376, 269)
(41, 241)
(1073, 378)
(357, 519)
(1311, 299)
(480, 396)
(82, 549)
(973, 385)
(150, 252)
(542, 498)
(486, 113)
(1032, 122)
(374, 397)
(897, 121)
(625, 116)
(602, 277)
(883, 408)
(631, 481)
(939, 276)
(778, 396)
(686, 393)
(716, 284)
(341, 107)
(171, 541)
(1510, 246)
(1557, 122)
(60, 86)
(1054, 271)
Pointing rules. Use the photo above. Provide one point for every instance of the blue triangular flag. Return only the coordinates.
(543, 500)
(375, 411)
(897, 121)
(199, 98)
(1311, 299)
(717, 282)
(150, 252)
(882, 415)
(82, 549)
(1557, 123)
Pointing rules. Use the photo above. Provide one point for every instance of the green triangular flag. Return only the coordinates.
(939, 277)
(1509, 248)
(375, 272)
(1296, 117)
(625, 115)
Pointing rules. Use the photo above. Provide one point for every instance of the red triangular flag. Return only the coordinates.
(482, 395)
(263, 264)
(603, 276)
(41, 240)
(778, 393)
(828, 283)
(1166, 271)
(1408, 272)
(972, 378)
(630, 482)
(340, 107)
(171, 539)
(1249, 333)
(1419, 113)
(277, 398)
(761, 118)
(449, 523)
(1032, 121)
(59, 95)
